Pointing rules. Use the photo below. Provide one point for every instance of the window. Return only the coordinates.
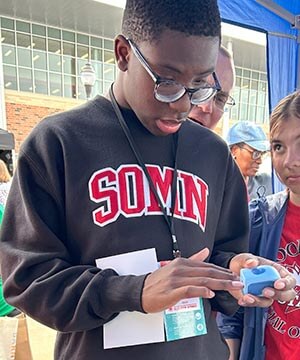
(7, 23)
(55, 62)
(69, 65)
(22, 26)
(54, 46)
(250, 94)
(109, 57)
(8, 37)
(38, 43)
(48, 60)
(40, 82)
(54, 33)
(68, 35)
(109, 72)
(70, 86)
(9, 55)
(68, 49)
(82, 52)
(10, 77)
(39, 60)
(82, 39)
(38, 30)
(24, 57)
(55, 84)
(23, 40)
(108, 44)
(25, 80)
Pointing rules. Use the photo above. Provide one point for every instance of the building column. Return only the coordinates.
(3, 124)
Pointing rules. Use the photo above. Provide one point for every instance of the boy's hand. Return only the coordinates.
(185, 278)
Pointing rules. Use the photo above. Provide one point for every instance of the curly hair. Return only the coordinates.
(145, 20)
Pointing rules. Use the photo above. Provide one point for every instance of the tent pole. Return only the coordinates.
(278, 10)
(298, 63)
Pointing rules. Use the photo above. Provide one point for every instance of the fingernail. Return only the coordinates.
(250, 261)
(250, 300)
(211, 294)
(269, 292)
(280, 285)
(237, 284)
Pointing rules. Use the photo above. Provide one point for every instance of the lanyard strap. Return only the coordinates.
(169, 220)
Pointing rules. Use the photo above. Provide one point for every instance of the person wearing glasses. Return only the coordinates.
(125, 173)
(249, 147)
(273, 333)
(209, 113)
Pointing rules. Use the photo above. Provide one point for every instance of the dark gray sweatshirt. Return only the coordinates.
(78, 194)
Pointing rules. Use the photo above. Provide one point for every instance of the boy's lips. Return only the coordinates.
(169, 126)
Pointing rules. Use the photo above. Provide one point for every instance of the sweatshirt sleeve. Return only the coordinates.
(232, 231)
(40, 275)
(233, 226)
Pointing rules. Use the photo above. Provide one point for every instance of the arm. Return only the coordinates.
(233, 225)
(232, 231)
(39, 260)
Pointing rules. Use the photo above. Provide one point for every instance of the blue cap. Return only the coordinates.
(248, 133)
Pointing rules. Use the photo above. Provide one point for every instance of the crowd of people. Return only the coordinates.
(141, 168)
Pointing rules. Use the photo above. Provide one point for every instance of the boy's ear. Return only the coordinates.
(122, 51)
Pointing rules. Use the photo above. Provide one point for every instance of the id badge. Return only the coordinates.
(185, 319)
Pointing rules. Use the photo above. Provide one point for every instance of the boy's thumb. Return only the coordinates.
(201, 255)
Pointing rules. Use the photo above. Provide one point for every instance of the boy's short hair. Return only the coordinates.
(145, 20)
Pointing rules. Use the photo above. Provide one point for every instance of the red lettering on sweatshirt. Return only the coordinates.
(126, 192)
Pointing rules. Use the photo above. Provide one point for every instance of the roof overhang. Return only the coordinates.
(86, 16)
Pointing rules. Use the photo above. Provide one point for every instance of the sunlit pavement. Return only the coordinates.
(41, 339)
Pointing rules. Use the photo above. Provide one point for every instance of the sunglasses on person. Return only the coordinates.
(169, 91)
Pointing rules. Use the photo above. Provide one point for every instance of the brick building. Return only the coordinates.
(24, 111)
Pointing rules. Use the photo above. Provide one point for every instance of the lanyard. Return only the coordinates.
(169, 220)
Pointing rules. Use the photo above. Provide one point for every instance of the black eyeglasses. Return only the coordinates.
(169, 91)
(255, 154)
(223, 100)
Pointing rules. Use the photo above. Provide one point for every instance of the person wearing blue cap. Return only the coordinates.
(249, 145)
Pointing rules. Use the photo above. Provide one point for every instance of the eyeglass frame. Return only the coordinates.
(229, 102)
(255, 154)
(158, 79)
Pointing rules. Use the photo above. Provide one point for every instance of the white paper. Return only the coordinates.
(132, 328)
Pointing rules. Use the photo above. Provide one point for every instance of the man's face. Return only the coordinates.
(244, 159)
(188, 60)
(208, 114)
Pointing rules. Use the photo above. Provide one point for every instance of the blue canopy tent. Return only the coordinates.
(280, 20)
